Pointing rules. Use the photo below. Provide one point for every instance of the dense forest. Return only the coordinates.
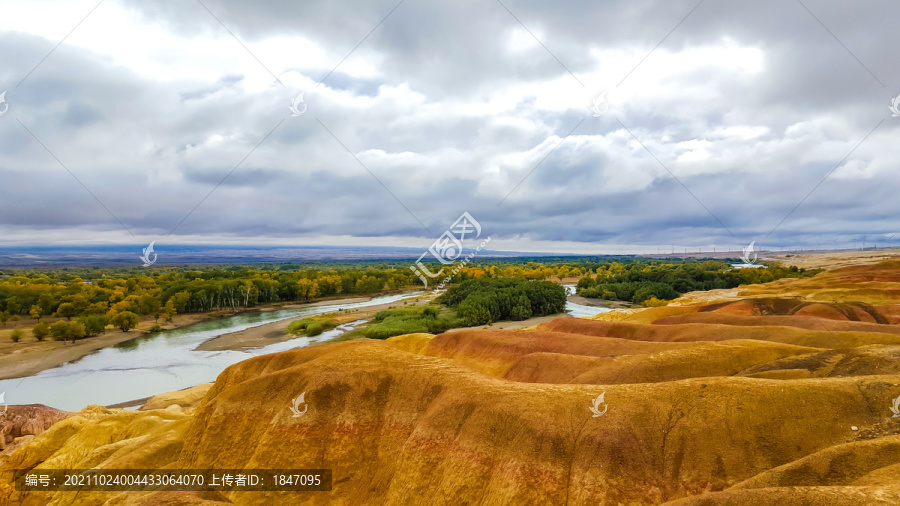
(472, 302)
(165, 291)
(649, 281)
(95, 298)
(484, 301)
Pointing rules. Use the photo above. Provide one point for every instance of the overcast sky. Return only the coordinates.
(720, 118)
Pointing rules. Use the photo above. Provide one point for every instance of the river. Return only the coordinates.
(167, 361)
(578, 310)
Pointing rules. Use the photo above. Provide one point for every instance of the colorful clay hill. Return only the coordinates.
(774, 394)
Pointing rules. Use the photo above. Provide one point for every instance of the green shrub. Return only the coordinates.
(411, 320)
(654, 290)
(63, 331)
(475, 311)
(93, 324)
(40, 331)
(654, 302)
(393, 328)
(520, 312)
(155, 328)
(126, 320)
(299, 326)
(310, 326)
(16, 335)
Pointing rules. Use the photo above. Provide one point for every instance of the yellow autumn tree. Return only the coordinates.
(307, 288)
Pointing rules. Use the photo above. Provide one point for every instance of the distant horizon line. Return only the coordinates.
(228, 246)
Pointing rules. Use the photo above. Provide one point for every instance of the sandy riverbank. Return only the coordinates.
(53, 354)
(276, 332)
(611, 304)
(323, 302)
(30, 356)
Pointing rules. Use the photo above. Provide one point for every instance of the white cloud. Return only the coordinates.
(165, 107)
